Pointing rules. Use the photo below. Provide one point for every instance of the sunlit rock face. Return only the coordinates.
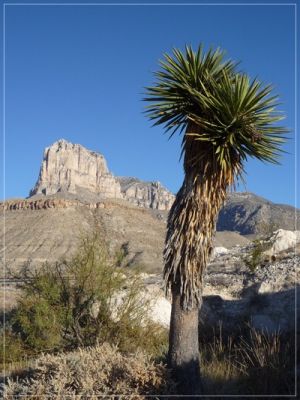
(146, 194)
(72, 169)
(68, 167)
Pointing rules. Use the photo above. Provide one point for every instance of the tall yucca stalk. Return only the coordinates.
(224, 118)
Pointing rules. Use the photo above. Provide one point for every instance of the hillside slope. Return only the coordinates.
(51, 228)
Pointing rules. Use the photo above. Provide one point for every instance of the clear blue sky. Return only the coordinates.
(78, 72)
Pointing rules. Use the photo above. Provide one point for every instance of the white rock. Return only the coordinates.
(67, 166)
(161, 311)
(282, 240)
(219, 251)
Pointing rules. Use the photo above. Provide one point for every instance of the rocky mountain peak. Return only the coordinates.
(72, 169)
(67, 167)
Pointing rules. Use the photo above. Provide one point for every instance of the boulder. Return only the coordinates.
(282, 240)
(219, 251)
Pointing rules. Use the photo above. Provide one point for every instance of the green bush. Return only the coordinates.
(83, 302)
(12, 348)
(256, 255)
(39, 316)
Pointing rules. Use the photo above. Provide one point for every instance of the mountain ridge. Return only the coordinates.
(70, 171)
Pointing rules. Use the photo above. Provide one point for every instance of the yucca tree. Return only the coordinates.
(224, 118)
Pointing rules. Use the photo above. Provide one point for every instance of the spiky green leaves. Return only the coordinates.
(235, 115)
(240, 118)
(176, 93)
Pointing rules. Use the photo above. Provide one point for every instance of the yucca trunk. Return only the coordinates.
(191, 225)
(184, 346)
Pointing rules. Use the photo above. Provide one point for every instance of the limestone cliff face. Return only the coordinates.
(71, 169)
(146, 194)
(68, 167)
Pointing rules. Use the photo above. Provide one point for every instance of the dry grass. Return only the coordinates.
(250, 363)
(93, 372)
(256, 363)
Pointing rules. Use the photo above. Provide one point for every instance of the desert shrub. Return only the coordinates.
(93, 373)
(12, 348)
(248, 363)
(85, 301)
(39, 315)
(256, 255)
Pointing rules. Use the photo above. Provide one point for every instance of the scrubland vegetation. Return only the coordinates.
(81, 328)
(86, 301)
(91, 372)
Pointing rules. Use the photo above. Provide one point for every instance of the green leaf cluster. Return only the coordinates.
(237, 116)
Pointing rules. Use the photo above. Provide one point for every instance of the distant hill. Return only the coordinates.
(247, 213)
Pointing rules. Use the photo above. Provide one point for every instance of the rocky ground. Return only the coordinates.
(234, 295)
